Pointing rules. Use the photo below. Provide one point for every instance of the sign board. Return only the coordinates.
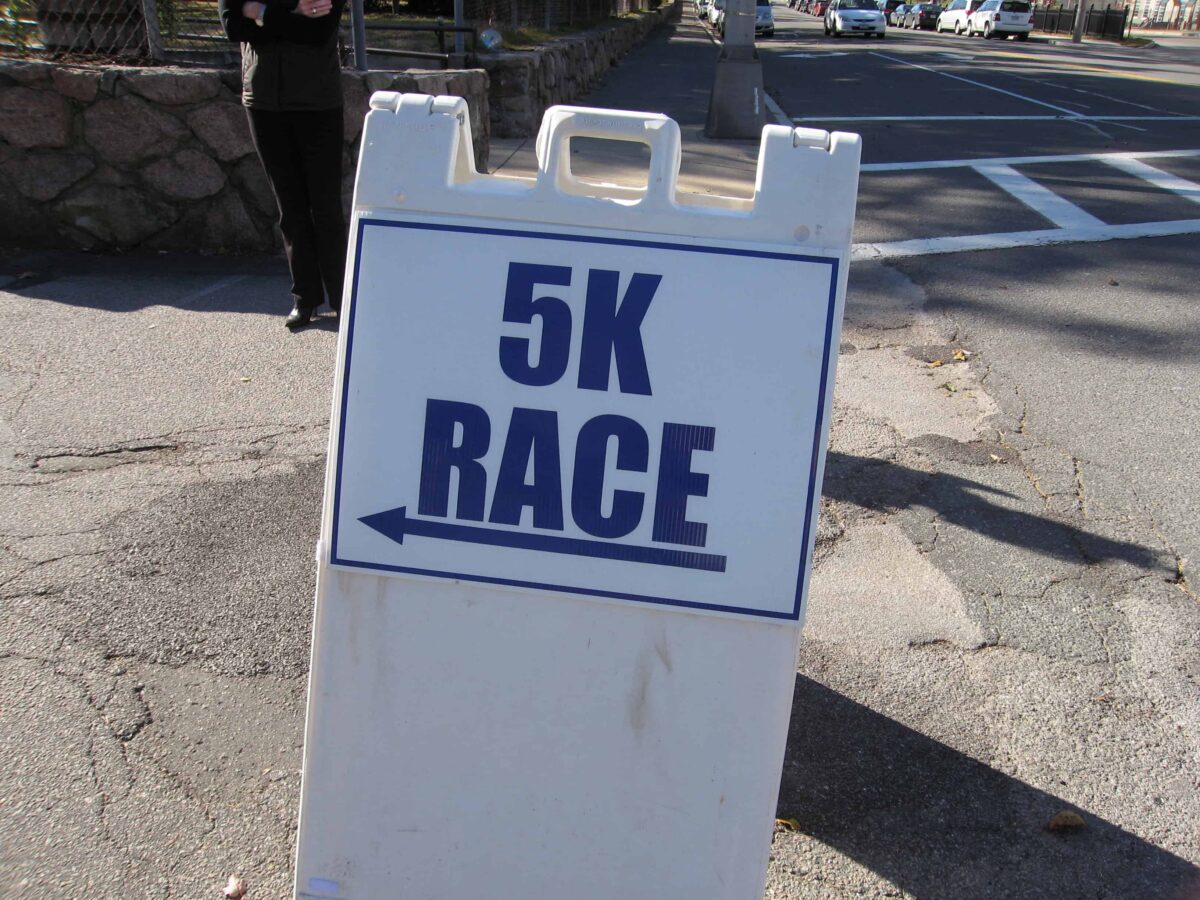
(583, 413)
(576, 454)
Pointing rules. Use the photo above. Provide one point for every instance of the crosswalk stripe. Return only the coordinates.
(1009, 240)
(1187, 189)
(1075, 225)
(1024, 160)
(1038, 197)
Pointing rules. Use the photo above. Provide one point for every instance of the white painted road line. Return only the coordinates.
(990, 87)
(1024, 160)
(1008, 240)
(1039, 198)
(776, 111)
(1157, 177)
(1078, 117)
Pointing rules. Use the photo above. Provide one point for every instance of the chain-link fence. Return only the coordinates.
(182, 31)
(140, 30)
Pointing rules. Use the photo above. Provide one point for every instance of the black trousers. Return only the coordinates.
(302, 155)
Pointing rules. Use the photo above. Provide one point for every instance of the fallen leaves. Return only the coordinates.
(1065, 821)
(961, 355)
(235, 888)
(787, 825)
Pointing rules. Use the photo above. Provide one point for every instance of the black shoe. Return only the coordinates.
(299, 317)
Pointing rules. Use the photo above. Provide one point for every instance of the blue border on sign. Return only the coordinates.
(589, 239)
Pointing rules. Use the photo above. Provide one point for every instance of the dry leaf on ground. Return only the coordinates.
(1066, 820)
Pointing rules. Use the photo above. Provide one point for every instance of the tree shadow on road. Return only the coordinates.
(940, 824)
(885, 486)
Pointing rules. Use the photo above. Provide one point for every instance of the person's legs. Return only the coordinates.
(279, 148)
(322, 155)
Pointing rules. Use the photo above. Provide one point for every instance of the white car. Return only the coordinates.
(1000, 18)
(764, 19)
(702, 9)
(716, 12)
(954, 16)
(844, 17)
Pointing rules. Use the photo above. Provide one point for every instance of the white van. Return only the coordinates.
(1000, 18)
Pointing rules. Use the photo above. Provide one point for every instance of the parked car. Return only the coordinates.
(863, 17)
(1000, 18)
(716, 12)
(702, 9)
(922, 15)
(954, 17)
(892, 8)
(764, 19)
(818, 7)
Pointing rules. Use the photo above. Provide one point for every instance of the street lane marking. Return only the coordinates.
(1069, 112)
(1074, 117)
(1024, 160)
(776, 111)
(1075, 225)
(1039, 198)
(1189, 190)
(1008, 240)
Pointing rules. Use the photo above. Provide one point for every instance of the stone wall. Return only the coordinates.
(118, 158)
(524, 84)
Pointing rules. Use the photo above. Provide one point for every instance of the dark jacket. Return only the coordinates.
(290, 62)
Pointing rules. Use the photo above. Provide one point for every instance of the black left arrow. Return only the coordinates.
(395, 524)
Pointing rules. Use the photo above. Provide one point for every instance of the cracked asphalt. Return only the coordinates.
(1003, 616)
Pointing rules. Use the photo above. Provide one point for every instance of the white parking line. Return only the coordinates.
(1189, 190)
(1040, 199)
(990, 87)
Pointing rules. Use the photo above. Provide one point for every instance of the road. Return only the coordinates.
(1062, 514)
(1003, 616)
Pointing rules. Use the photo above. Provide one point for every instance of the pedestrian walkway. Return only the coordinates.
(1071, 222)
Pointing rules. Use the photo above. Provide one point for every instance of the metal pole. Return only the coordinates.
(1081, 17)
(458, 23)
(153, 34)
(358, 25)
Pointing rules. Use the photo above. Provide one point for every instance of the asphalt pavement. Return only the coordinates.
(1003, 616)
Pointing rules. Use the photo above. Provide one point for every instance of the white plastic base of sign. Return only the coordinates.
(468, 742)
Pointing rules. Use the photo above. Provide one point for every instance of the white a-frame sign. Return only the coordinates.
(575, 463)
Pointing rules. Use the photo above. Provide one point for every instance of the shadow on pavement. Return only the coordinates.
(940, 824)
(137, 280)
(885, 486)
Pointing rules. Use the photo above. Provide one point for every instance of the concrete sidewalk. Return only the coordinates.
(671, 74)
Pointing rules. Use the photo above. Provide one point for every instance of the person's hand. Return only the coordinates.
(314, 9)
(253, 10)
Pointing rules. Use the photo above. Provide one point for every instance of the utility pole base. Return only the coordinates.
(737, 106)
